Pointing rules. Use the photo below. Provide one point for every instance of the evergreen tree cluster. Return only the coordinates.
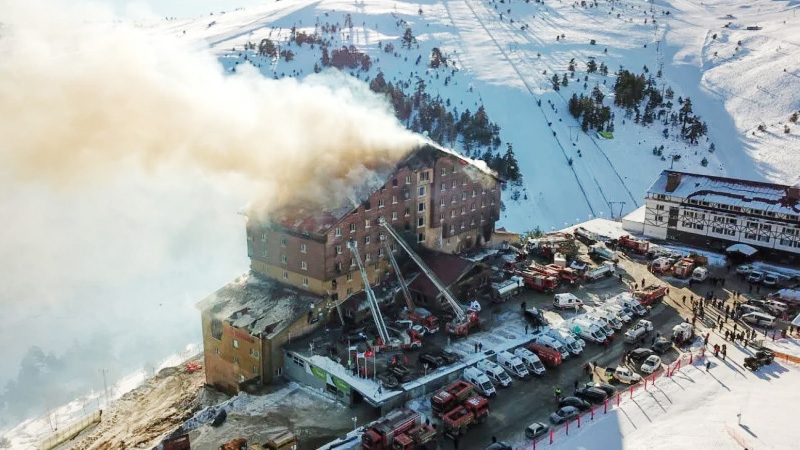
(506, 166)
(422, 112)
(634, 91)
(592, 111)
(349, 57)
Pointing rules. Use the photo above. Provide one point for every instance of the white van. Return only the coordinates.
(531, 361)
(566, 301)
(628, 303)
(552, 343)
(624, 314)
(586, 330)
(607, 318)
(700, 274)
(512, 364)
(566, 339)
(759, 319)
(604, 328)
(480, 380)
(494, 372)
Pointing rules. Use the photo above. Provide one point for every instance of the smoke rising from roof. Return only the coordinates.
(82, 96)
(123, 158)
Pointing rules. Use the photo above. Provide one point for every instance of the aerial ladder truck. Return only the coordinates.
(372, 302)
(418, 316)
(463, 322)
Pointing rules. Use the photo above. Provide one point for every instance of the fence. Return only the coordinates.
(68, 432)
(586, 418)
(786, 358)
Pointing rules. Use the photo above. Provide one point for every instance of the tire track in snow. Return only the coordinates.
(525, 83)
(527, 36)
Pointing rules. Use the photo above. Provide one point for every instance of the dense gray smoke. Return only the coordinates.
(124, 157)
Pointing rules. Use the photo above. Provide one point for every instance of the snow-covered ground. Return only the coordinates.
(696, 408)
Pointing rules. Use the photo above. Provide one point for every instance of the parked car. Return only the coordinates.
(638, 355)
(661, 345)
(579, 403)
(770, 280)
(591, 394)
(745, 269)
(605, 387)
(755, 276)
(651, 364)
(500, 446)
(388, 381)
(536, 429)
(450, 356)
(433, 361)
(401, 372)
(564, 414)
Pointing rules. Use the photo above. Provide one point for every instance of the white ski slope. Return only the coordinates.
(502, 67)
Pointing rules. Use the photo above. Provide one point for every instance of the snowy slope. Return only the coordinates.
(507, 69)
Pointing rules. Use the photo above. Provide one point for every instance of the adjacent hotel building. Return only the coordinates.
(715, 212)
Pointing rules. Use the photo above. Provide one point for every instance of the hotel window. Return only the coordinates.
(338, 249)
(421, 237)
(421, 207)
(422, 191)
(463, 196)
(283, 242)
(284, 259)
(454, 184)
(463, 210)
(349, 277)
(380, 203)
(352, 228)
(455, 169)
(236, 360)
(453, 213)
(394, 182)
(472, 207)
(425, 176)
(285, 275)
(407, 212)
(474, 193)
(366, 240)
(462, 225)
(235, 343)
(444, 187)
(394, 199)
(452, 199)
(264, 253)
(303, 248)
(367, 257)
(349, 291)
(444, 171)
(352, 263)
(380, 251)
(305, 281)
(420, 222)
(254, 353)
(464, 181)
(367, 223)
(337, 232)
(303, 265)
(408, 179)
(441, 201)
(263, 237)
(394, 215)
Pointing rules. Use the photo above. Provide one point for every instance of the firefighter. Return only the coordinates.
(557, 393)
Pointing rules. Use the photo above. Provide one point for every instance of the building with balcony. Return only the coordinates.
(715, 212)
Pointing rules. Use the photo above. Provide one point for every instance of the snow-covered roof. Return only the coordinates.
(637, 215)
(259, 305)
(754, 195)
(741, 248)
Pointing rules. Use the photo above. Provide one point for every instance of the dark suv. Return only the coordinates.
(638, 355)
(591, 395)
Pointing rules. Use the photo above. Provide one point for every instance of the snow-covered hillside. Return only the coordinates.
(503, 54)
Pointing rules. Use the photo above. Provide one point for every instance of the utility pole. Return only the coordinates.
(105, 384)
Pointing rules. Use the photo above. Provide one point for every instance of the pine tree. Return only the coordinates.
(591, 66)
(511, 167)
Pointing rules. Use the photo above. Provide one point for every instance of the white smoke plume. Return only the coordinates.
(82, 95)
(123, 158)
